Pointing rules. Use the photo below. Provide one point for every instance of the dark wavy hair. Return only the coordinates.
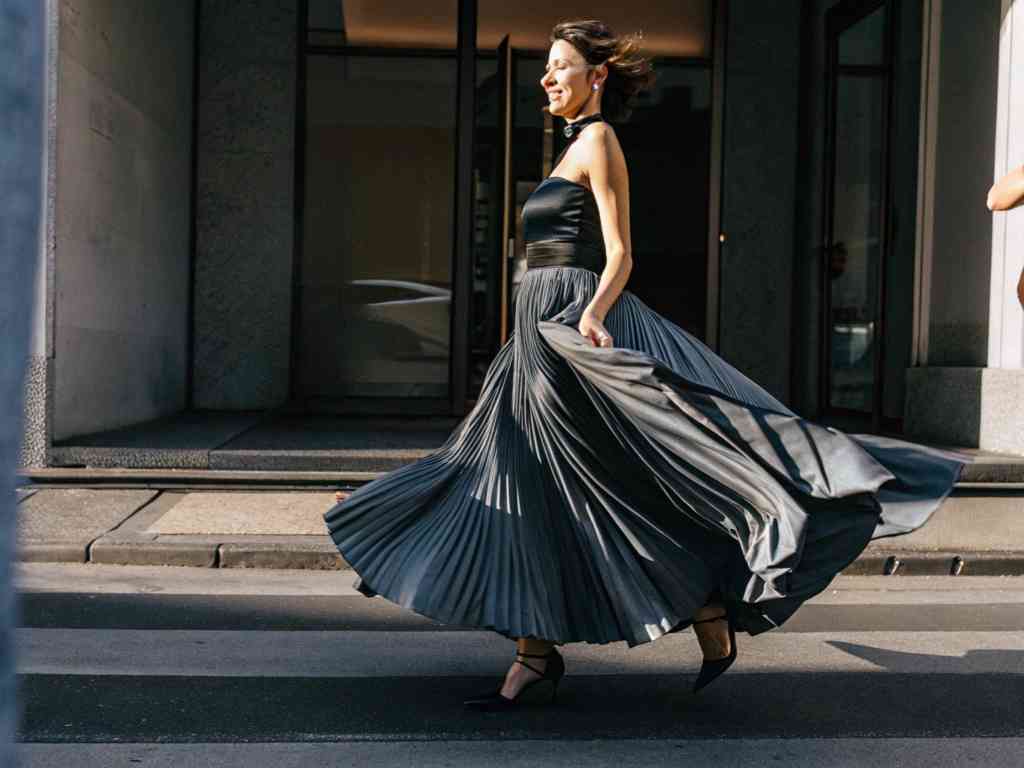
(629, 72)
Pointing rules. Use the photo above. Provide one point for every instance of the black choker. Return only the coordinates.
(572, 129)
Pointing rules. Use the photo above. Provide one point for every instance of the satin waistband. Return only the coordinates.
(564, 253)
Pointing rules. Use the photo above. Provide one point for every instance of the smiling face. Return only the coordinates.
(568, 80)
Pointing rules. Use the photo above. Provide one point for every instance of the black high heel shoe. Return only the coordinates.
(553, 671)
(710, 669)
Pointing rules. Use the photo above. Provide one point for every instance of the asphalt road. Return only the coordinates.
(223, 667)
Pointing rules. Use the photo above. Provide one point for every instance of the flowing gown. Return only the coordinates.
(598, 494)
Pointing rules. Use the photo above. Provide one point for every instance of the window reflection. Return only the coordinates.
(375, 293)
(856, 222)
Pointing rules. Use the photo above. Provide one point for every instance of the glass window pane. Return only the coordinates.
(857, 240)
(375, 293)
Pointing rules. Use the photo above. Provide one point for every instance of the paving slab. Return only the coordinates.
(59, 525)
(238, 512)
(131, 543)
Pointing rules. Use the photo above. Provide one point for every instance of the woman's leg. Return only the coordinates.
(518, 675)
(713, 636)
(533, 645)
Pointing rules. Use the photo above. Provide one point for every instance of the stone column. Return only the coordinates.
(968, 384)
(245, 206)
(762, 98)
(22, 46)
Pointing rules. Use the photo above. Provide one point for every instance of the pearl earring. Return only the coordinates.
(595, 86)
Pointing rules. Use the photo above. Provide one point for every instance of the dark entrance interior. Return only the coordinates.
(411, 178)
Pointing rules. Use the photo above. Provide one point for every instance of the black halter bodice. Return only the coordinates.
(561, 225)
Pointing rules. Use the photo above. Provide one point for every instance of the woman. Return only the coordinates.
(617, 480)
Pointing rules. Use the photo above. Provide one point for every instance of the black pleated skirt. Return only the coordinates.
(598, 494)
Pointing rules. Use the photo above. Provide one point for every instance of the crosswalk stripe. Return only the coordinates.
(405, 750)
(95, 578)
(456, 653)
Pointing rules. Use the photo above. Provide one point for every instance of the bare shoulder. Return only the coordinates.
(600, 137)
(601, 146)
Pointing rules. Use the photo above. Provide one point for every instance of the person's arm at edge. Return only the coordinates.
(1008, 192)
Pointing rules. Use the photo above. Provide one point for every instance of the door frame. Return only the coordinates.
(457, 403)
(461, 220)
(838, 19)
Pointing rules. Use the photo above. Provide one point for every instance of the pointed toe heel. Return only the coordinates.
(494, 701)
(711, 669)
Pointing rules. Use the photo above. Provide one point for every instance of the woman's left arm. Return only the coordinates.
(609, 181)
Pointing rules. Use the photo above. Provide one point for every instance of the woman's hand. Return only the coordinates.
(591, 327)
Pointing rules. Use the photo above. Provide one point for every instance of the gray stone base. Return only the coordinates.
(35, 427)
(966, 406)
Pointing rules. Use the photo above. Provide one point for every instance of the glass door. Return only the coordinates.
(856, 221)
(373, 284)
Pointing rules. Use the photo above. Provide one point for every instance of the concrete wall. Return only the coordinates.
(965, 153)
(759, 188)
(244, 218)
(122, 212)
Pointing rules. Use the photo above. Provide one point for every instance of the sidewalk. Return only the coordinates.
(208, 529)
(285, 529)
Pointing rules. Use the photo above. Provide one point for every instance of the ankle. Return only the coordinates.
(709, 611)
(533, 647)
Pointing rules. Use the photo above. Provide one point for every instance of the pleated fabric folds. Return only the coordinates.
(600, 494)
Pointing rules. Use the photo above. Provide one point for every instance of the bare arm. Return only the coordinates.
(609, 181)
(1008, 192)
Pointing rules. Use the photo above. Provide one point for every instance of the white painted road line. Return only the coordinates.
(384, 750)
(432, 654)
(170, 580)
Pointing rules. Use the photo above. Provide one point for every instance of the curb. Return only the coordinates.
(319, 553)
(895, 563)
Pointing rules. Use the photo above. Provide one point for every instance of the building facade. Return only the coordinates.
(313, 205)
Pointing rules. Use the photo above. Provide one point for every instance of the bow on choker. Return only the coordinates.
(572, 129)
